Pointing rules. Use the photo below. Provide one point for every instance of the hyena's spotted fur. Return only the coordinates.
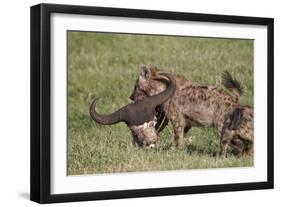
(238, 130)
(192, 105)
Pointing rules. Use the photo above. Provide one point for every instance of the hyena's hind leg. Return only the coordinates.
(224, 145)
(225, 140)
(227, 128)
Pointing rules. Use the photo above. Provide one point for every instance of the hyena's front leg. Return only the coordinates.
(178, 123)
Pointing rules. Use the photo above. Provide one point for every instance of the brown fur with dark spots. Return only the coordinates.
(191, 105)
(238, 131)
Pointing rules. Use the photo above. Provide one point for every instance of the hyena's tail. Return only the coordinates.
(232, 84)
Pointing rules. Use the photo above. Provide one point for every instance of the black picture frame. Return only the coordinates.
(40, 184)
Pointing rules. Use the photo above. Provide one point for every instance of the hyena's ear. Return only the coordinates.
(145, 72)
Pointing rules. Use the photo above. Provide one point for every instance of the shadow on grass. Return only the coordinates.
(191, 149)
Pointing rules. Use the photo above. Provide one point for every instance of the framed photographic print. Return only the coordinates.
(133, 103)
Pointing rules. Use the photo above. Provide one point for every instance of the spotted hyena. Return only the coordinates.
(193, 105)
(238, 131)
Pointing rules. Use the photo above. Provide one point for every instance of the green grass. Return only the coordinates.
(107, 65)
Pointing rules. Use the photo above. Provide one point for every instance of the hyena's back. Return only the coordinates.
(201, 105)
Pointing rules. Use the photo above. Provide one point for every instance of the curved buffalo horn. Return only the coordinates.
(139, 112)
(113, 118)
(162, 97)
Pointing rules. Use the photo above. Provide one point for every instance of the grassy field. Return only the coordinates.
(107, 66)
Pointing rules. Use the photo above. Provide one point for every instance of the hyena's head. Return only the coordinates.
(147, 83)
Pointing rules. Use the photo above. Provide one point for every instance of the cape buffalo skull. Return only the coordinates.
(139, 115)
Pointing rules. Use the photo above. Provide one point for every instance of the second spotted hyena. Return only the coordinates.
(192, 105)
(238, 131)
